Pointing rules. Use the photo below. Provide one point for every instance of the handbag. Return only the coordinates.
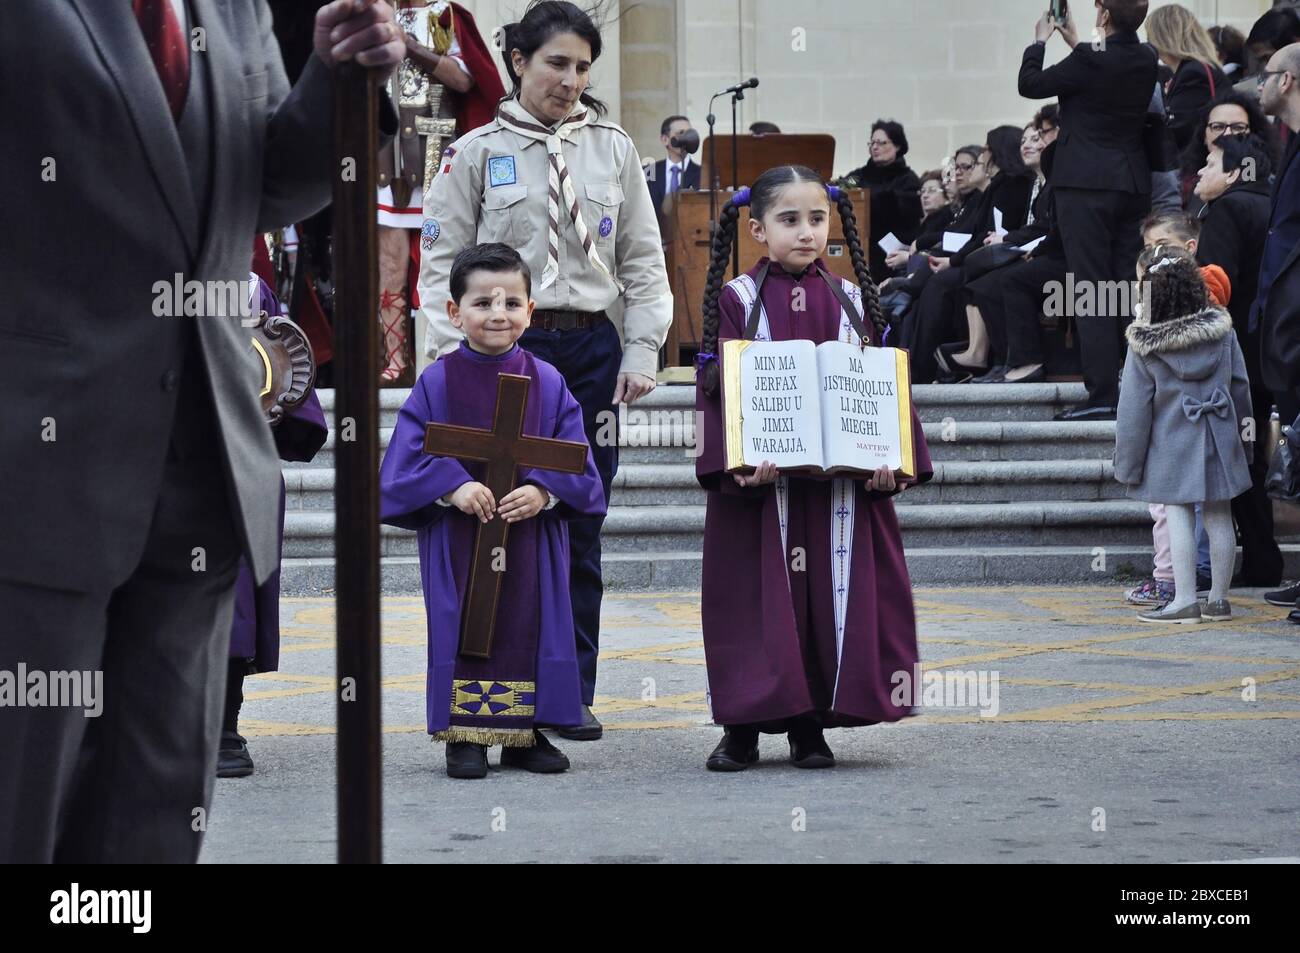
(989, 258)
(1283, 479)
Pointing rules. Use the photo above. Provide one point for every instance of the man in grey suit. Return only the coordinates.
(146, 142)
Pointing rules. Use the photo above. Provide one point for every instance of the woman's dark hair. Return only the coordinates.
(1230, 43)
(973, 151)
(542, 20)
(1172, 285)
(1248, 153)
(1004, 151)
(761, 195)
(1193, 156)
(894, 130)
(1049, 114)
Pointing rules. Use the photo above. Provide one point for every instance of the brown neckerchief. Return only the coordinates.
(751, 326)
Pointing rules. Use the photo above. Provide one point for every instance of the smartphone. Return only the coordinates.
(1060, 9)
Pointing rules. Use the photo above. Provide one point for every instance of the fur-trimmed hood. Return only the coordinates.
(1189, 345)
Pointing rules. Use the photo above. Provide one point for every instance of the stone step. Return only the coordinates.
(950, 440)
(955, 481)
(1104, 523)
(1069, 565)
(934, 402)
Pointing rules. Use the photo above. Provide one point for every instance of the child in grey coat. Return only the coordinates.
(1184, 416)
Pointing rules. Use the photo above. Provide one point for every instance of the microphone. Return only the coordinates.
(688, 141)
(741, 87)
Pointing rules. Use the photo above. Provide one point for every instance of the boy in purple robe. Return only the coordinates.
(806, 601)
(255, 632)
(531, 679)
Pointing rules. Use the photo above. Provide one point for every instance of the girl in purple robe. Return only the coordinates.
(807, 605)
(531, 677)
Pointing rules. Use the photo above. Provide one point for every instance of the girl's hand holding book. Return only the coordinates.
(764, 473)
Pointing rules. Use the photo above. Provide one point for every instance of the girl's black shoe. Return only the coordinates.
(808, 748)
(737, 750)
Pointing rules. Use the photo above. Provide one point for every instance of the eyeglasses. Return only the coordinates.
(963, 167)
(880, 142)
(932, 190)
(1264, 77)
(1236, 128)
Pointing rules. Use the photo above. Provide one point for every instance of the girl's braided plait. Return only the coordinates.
(719, 258)
(870, 293)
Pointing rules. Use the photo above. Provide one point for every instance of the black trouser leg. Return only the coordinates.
(1099, 229)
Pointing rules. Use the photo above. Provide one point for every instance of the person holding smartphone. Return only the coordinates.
(1100, 173)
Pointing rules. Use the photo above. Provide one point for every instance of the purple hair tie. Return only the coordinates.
(704, 357)
(741, 197)
(885, 337)
(834, 192)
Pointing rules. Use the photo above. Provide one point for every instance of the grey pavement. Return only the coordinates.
(1113, 741)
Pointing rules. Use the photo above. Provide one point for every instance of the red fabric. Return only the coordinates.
(167, 48)
(311, 318)
(476, 107)
(262, 261)
(414, 273)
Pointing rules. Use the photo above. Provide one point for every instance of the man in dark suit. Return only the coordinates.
(1100, 174)
(146, 141)
(676, 171)
(1276, 315)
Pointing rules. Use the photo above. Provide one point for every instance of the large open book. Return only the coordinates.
(821, 408)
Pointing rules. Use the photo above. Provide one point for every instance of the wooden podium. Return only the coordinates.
(687, 237)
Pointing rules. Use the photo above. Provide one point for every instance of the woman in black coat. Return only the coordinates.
(1185, 47)
(934, 319)
(1231, 113)
(1234, 227)
(895, 190)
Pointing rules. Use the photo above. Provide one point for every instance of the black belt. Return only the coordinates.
(550, 320)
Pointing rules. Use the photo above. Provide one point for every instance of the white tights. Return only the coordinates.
(1217, 517)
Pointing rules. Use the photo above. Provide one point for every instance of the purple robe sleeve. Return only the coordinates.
(302, 431)
(580, 494)
(410, 480)
(711, 464)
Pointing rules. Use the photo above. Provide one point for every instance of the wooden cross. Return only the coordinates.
(504, 449)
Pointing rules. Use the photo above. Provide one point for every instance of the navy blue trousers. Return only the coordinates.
(589, 360)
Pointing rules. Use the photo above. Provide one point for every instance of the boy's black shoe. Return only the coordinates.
(590, 730)
(808, 748)
(542, 758)
(233, 759)
(737, 750)
(466, 760)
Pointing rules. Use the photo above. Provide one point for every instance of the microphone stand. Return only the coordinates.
(736, 97)
(715, 180)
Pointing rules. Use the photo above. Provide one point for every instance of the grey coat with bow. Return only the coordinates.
(1183, 403)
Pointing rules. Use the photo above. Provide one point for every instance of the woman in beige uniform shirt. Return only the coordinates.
(555, 180)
